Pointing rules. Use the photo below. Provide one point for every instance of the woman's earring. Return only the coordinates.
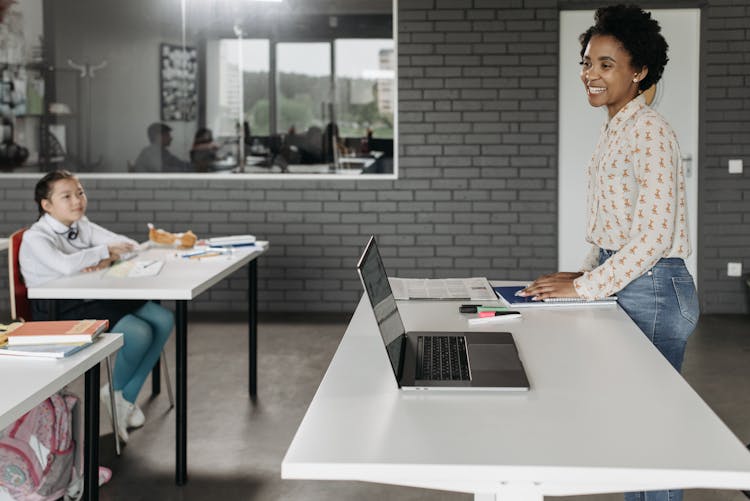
(635, 80)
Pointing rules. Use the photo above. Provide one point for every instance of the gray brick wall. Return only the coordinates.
(477, 193)
(725, 202)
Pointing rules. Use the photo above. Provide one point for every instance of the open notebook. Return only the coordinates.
(508, 295)
(135, 268)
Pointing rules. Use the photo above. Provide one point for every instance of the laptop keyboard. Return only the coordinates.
(442, 358)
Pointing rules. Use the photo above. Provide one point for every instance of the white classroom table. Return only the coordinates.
(28, 381)
(181, 280)
(605, 413)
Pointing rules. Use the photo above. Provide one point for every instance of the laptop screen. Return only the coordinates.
(375, 281)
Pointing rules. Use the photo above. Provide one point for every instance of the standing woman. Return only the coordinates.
(64, 242)
(637, 214)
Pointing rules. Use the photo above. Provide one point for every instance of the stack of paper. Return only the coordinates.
(475, 289)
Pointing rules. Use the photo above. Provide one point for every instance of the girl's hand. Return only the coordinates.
(558, 284)
(104, 263)
(119, 248)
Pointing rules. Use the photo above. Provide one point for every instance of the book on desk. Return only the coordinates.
(60, 350)
(507, 294)
(56, 332)
(231, 241)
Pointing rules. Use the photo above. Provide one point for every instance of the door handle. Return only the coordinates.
(687, 161)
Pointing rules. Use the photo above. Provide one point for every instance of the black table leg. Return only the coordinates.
(181, 383)
(52, 309)
(156, 374)
(252, 308)
(156, 378)
(91, 435)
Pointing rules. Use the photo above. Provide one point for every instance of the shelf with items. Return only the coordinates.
(22, 108)
(37, 114)
(22, 89)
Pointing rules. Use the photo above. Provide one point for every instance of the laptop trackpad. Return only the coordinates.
(493, 357)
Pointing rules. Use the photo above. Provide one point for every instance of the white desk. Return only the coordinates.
(592, 422)
(4, 242)
(28, 381)
(318, 169)
(360, 163)
(180, 280)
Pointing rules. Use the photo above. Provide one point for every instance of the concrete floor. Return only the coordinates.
(236, 447)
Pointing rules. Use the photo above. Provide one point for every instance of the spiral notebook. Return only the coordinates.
(508, 295)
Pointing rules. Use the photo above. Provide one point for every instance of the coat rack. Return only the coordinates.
(87, 71)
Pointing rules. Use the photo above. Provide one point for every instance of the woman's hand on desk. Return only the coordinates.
(558, 284)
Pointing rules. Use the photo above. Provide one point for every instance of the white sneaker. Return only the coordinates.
(136, 418)
(123, 411)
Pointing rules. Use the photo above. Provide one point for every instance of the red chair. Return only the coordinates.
(20, 308)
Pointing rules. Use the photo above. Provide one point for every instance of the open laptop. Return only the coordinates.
(438, 360)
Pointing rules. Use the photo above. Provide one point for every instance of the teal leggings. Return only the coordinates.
(146, 330)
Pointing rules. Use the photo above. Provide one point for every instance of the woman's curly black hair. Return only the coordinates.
(638, 33)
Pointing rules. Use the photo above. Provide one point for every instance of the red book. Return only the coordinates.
(56, 332)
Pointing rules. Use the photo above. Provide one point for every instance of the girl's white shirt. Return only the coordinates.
(47, 253)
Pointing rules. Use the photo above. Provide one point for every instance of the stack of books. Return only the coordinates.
(56, 339)
(231, 241)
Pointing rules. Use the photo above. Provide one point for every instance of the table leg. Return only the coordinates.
(181, 383)
(156, 378)
(252, 308)
(91, 435)
(156, 374)
(52, 309)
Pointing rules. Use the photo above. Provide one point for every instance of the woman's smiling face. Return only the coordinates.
(608, 75)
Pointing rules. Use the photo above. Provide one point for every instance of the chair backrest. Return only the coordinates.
(20, 308)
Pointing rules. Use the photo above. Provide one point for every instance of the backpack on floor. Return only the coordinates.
(38, 453)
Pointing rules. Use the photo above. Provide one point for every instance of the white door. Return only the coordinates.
(676, 99)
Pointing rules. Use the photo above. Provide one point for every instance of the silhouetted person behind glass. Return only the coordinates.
(203, 155)
(312, 152)
(331, 137)
(156, 157)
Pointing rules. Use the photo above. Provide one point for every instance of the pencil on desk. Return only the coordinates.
(207, 254)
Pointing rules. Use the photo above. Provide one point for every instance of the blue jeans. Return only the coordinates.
(663, 303)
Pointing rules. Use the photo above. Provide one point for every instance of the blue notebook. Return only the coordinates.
(508, 295)
(43, 350)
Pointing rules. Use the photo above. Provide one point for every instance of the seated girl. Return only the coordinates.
(64, 242)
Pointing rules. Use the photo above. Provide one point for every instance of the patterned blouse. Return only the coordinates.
(636, 200)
